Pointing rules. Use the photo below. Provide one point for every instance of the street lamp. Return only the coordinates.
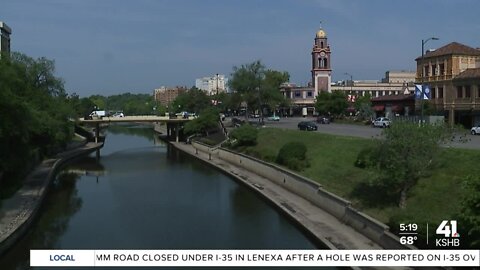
(423, 75)
(351, 82)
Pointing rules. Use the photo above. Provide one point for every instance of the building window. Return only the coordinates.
(434, 90)
(440, 92)
(459, 92)
(442, 69)
(325, 62)
(434, 70)
(298, 94)
(425, 71)
(467, 91)
(478, 91)
(321, 44)
(309, 94)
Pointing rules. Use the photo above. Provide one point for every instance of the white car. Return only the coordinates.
(475, 130)
(381, 122)
(273, 118)
(118, 114)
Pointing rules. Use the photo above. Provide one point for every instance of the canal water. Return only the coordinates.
(143, 194)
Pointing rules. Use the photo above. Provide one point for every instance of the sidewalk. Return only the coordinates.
(18, 212)
(329, 230)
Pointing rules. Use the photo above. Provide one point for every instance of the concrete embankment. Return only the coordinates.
(18, 212)
(329, 218)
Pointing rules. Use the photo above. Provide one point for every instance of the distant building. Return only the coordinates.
(453, 74)
(212, 85)
(399, 77)
(165, 95)
(5, 33)
(396, 82)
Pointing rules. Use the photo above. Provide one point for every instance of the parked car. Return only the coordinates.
(273, 118)
(118, 114)
(237, 122)
(307, 125)
(475, 130)
(323, 120)
(382, 122)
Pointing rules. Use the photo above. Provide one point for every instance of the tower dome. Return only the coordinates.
(321, 33)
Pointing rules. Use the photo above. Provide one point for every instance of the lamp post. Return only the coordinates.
(423, 75)
(351, 82)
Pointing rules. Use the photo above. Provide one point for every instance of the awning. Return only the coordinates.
(378, 108)
(397, 108)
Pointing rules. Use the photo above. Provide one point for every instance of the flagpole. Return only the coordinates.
(423, 75)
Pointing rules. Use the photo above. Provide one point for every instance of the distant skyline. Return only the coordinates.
(109, 47)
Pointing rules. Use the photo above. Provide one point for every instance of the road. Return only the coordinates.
(471, 142)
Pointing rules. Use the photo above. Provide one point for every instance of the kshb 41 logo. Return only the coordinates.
(448, 228)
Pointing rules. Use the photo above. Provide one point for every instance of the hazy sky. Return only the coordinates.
(109, 47)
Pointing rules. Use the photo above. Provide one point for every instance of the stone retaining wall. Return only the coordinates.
(312, 191)
(29, 208)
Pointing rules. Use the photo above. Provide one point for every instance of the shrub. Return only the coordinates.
(293, 155)
(207, 120)
(366, 157)
(245, 135)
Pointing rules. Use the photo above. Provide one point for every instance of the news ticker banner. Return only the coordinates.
(257, 258)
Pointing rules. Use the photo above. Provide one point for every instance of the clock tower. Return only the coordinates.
(321, 71)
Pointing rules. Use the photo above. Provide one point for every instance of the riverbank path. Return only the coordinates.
(17, 212)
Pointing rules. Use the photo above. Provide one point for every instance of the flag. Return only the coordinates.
(418, 91)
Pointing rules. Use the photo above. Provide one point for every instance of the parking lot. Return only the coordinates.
(472, 142)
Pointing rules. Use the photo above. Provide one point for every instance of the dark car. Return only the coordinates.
(307, 125)
(323, 120)
(237, 122)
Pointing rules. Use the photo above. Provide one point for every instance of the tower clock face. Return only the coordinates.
(322, 54)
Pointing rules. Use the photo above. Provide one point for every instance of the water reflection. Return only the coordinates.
(62, 203)
(145, 196)
(139, 130)
(88, 166)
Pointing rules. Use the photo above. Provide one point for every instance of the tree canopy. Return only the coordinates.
(192, 100)
(407, 152)
(257, 86)
(207, 121)
(34, 108)
(334, 103)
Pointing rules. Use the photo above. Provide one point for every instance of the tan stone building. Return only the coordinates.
(165, 95)
(453, 74)
(402, 76)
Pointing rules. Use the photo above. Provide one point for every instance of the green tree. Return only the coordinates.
(363, 106)
(271, 96)
(257, 86)
(35, 112)
(407, 153)
(245, 135)
(203, 124)
(331, 103)
(469, 216)
(99, 101)
(192, 100)
(246, 81)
